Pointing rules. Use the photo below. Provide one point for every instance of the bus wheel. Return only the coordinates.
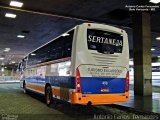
(48, 96)
(24, 88)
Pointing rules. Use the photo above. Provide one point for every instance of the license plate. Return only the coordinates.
(104, 90)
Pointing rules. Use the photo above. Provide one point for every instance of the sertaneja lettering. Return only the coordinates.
(104, 40)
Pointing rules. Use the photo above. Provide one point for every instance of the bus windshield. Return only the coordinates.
(104, 41)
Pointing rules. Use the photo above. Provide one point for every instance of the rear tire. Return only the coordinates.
(48, 96)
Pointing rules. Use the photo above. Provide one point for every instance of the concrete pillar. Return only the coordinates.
(142, 54)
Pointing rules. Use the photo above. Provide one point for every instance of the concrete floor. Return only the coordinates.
(149, 103)
(146, 104)
(15, 104)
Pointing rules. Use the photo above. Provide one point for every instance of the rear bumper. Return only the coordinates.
(97, 99)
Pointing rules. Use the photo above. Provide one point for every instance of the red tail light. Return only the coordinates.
(127, 82)
(78, 81)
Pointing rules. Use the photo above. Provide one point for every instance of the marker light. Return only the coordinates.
(10, 15)
(127, 82)
(16, 4)
(78, 81)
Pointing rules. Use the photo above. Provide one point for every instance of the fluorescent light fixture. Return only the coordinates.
(1, 58)
(16, 4)
(155, 64)
(2, 69)
(152, 49)
(33, 54)
(131, 63)
(7, 49)
(158, 38)
(65, 34)
(20, 36)
(154, 1)
(13, 62)
(10, 15)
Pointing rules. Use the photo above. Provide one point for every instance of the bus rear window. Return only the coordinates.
(104, 41)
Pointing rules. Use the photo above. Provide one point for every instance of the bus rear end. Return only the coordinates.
(101, 65)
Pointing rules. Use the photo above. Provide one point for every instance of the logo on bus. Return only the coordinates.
(104, 83)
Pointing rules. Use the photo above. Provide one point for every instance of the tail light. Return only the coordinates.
(127, 82)
(78, 81)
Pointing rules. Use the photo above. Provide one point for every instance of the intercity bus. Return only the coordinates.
(86, 65)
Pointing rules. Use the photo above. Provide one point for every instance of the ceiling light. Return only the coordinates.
(1, 58)
(2, 69)
(155, 64)
(20, 36)
(16, 4)
(154, 1)
(158, 38)
(10, 15)
(65, 34)
(131, 62)
(153, 49)
(7, 49)
(33, 54)
(13, 62)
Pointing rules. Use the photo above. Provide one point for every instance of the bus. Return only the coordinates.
(87, 65)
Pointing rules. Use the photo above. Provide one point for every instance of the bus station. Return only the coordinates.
(80, 59)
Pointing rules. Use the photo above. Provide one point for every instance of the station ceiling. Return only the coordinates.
(42, 20)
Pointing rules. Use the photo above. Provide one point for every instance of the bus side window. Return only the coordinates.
(67, 51)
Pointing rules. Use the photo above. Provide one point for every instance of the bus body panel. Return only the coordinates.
(98, 84)
(95, 85)
(104, 84)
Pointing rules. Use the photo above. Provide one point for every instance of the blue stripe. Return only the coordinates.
(59, 81)
(89, 85)
(93, 85)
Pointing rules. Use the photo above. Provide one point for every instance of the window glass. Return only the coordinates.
(104, 41)
(57, 49)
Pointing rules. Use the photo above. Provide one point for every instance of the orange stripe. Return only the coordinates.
(56, 91)
(40, 88)
(31, 86)
(35, 87)
(78, 98)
